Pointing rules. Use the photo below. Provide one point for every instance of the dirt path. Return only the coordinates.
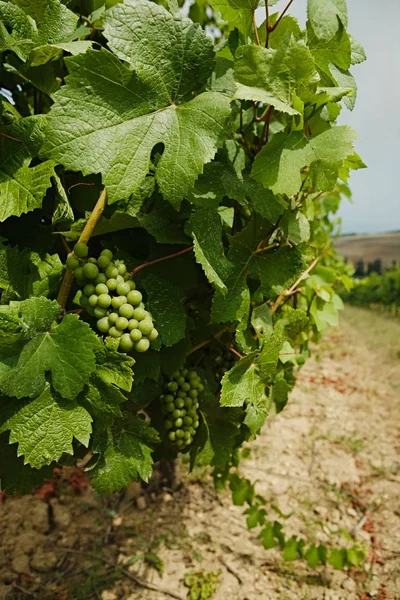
(332, 457)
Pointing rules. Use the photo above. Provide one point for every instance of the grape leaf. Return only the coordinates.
(125, 454)
(112, 122)
(208, 248)
(242, 384)
(277, 269)
(22, 187)
(237, 13)
(15, 477)
(102, 400)
(278, 164)
(66, 350)
(25, 24)
(326, 16)
(114, 367)
(272, 76)
(45, 427)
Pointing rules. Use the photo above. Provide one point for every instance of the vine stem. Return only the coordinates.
(253, 18)
(292, 289)
(83, 238)
(283, 13)
(157, 260)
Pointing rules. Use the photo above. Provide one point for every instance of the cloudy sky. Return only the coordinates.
(376, 117)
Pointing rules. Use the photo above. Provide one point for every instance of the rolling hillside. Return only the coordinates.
(369, 247)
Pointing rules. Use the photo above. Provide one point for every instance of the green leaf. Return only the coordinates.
(333, 51)
(165, 302)
(15, 477)
(277, 269)
(326, 16)
(103, 401)
(45, 427)
(114, 116)
(125, 455)
(22, 187)
(25, 24)
(65, 350)
(272, 76)
(267, 536)
(242, 384)
(263, 201)
(208, 248)
(286, 155)
(312, 556)
(114, 368)
(237, 13)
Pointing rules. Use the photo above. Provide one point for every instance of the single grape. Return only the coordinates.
(141, 305)
(139, 314)
(180, 380)
(192, 375)
(185, 386)
(193, 393)
(101, 278)
(171, 436)
(178, 422)
(131, 283)
(89, 289)
(176, 413)
(118, 301)
(90, 271)
(81, 250)
(196, 424)
(170, 407)
(145, 326)
(200, 387)
(103, 325)
(111, 272)
(188, 402)
(79, 274)
(184, 372)
(93, 300)
(192, 412)
(179, 403)
(126, 310)
(112, 318)
(101, 288)
(100, 312)
(114, 332)
(107, 252)
(72, 261)
(142, 345)
(168, 424)
(187, 420)
(122, 269)
(103, 261)
(122, 323)
(111, 284)
(186, 435)
(172, 386)
(126, 343)
(153, 335)
(134, 297)
(136, 335)
(192, 430)
(119, 279)
(104, 300)
(179, 433)
(123, 289)
(181, 394)
(92, 260)
(132, 324)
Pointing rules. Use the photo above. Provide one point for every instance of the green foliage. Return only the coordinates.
(202, 586)
(221, 155)
(376, 290)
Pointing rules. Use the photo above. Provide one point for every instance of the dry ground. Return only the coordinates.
(332, 457)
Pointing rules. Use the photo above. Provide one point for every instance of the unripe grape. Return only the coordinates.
(81, 250)
(90, 271)
(179, 433)
(142, 345)
(104, 300)
(101, 288)
(118, 301)
(181, 394)
(153, 335)
(103, 325)
(185, 386)
(184, 372)
(145, 327)
(112, 318)
(179, 403)
(176, 413)
(136, 335)
(134, 297)
(100, 312)
(171, 436)
(111, 284)
(200, 387)
(101, 278)
(72, 261)
(79, 273)
(125, 343)
(114, 332)
(93, 300)
(170, 407)
(187, 420)
(178, 422)
(139, 314)
(122, 323)
(193, 393)
(126, 310)
(172, 386)
(123, 289)
(92, 260)
(122, 269)
(107, 253)
(111, 272)
(168, 424)
(89, 289)
(180, 380)
(192, 375)
(103, 261)
(132, 324)
(131, 284)
(119, 279)
(186, 435)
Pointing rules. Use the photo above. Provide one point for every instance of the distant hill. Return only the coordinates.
(370, 247)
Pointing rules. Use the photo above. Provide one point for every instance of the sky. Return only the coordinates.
(375, 204)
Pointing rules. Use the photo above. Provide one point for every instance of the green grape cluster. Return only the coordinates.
(109, 294)
(181, 405)
(223, 360)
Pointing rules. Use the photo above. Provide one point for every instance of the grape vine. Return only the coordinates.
(197, 181)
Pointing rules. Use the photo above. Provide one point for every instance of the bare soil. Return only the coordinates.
(331, 457)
